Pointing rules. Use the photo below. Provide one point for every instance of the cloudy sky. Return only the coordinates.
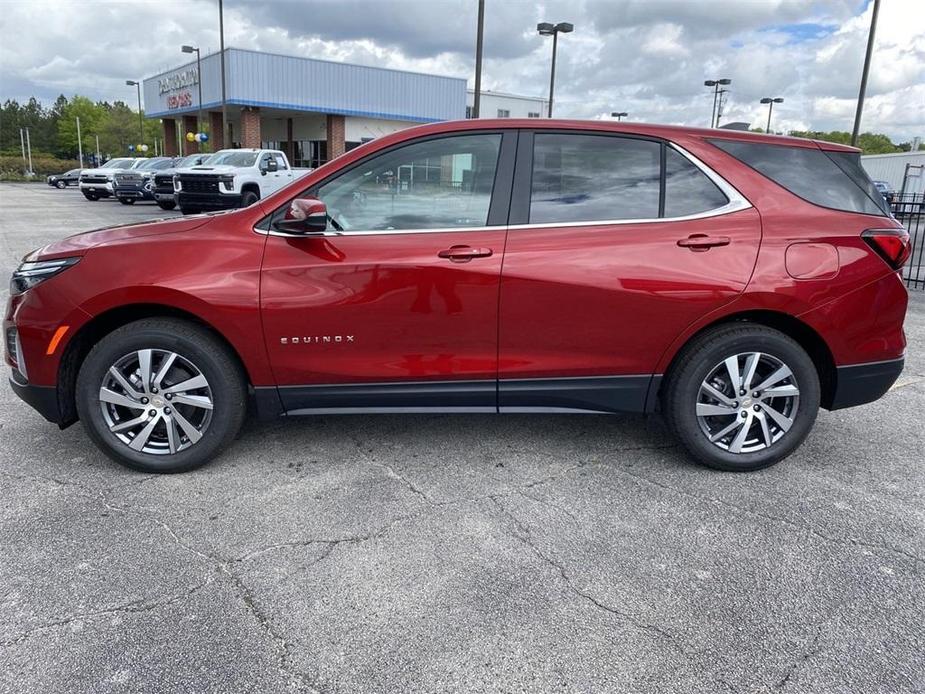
(647, 57)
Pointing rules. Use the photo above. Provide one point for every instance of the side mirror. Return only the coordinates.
(272, 165)
(308, 216)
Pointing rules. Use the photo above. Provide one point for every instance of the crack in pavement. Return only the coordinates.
(655, 631)
(811, 651)
(803, 527)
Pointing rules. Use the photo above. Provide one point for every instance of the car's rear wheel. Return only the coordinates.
(742, 397)
(161, 395)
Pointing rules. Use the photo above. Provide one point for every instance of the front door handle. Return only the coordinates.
(463, 254)
(702, 242)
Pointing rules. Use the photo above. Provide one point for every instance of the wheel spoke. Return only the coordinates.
(780, 392)
(111, 396)
(121, 380)
(751, 363)
(705, 410)
(193, 401)
(144, 367)
(189, 384)
(782, 421)
(138, 443)
(713, 393)
(129, 423)
(732, 367)
(192, 433)
(739, 440)
(725, 430)
(776, 377)
(165, 367)
(765, 431)
(172, 438)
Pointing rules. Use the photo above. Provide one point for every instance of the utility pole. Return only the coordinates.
(714, 119)
(22, 143)
(80, 147)
(863, 90)
(478, 60)
(226, 138)
(29, 149)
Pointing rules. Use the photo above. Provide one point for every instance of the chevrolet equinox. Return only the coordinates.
(734, 282)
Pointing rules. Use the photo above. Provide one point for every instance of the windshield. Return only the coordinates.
(157, 163)
(232, 158)
(190, 160)
(138, 164)
(117, 164)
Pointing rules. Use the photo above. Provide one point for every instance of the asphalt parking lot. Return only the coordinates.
(458, 553)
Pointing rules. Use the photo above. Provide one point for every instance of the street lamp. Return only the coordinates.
(619, 115)
(547, 29)
(770, 101)
(141, 119)
(715, 84)
(191, 49)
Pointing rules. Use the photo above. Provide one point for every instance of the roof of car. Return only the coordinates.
(632, 128)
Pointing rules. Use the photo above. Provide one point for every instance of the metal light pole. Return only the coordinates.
(619, 115)
(22, 143)
(863, 90)
(770, 101)
(98, 157)
(190, 49)
(80, 147)
(547, 29)
(141, 118)
(478, 60)
(29, 150)
(715, 84)
(226, 140)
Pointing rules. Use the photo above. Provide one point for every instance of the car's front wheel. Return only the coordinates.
(92, 197)
(166, 204)
(59, 184)
(161, 395)
(127, 201)
(742, 397)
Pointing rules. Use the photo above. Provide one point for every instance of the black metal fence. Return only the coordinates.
(909, 210)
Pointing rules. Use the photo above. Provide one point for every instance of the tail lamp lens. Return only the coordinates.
(893, 245)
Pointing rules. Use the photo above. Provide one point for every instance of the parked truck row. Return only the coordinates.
(227, 179)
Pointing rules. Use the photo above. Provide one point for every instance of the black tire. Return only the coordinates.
(248, 198)
(165, 205)
(191, 342)
(127, 201)
(700, 358)
(60, 184)
(190, 210)
(92, 197)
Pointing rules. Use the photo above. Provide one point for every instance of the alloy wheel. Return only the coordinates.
(156, 401)
(747, 402)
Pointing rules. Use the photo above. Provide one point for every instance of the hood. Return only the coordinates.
(217, 169)
(78, 244)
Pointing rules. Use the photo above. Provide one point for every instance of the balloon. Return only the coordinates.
(198, 137)
(131, 148)
(205, 137)
(190, 137)
(144, 148)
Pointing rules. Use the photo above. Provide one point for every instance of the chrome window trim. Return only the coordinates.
(736, 203)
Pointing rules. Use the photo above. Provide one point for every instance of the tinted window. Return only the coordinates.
(688, 190)
(435, 184)
(810, 173)
(594, 178)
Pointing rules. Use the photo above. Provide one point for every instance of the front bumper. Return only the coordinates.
(43, 399)
(208, 201)
(104, 190)
(859, 384)
(134, 192)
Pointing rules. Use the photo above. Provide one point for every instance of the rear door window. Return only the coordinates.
(828, 179)
(578, 177)
(688, 190)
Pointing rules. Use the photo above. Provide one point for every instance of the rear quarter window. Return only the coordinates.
(828, 179)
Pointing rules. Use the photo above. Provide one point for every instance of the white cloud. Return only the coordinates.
(647, 57)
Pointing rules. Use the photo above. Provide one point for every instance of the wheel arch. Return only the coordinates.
(804, 335)
(252, 187)
(104, 323)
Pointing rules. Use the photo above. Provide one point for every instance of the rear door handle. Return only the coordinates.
(702, 242)
(463, 254)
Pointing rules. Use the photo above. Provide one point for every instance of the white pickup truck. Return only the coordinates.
(232, 178)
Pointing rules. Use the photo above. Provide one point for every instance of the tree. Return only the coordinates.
(870, 143)
(91, 117)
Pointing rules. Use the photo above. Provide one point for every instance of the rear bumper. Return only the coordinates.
(862, 383)
(43, 399)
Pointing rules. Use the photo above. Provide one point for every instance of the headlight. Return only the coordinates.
(109, 178)
(176, 183)
(28, 275)
(227, 180)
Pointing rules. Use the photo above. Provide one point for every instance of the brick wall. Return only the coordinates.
(250, 127)
(170, 137)
(216, 136)
(336, 136)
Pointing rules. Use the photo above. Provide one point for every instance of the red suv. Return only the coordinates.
(735, 282)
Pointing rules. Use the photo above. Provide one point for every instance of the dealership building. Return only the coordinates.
(311, 109)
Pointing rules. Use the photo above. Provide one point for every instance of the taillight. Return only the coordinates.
(893, 245)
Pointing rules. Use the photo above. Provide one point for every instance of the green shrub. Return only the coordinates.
(12, 169)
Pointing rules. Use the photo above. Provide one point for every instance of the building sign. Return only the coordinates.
(177, 81)
(181, 100)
